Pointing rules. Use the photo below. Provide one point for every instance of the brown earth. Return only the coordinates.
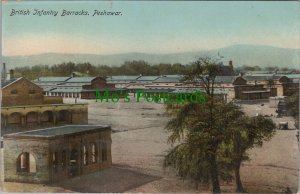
(140, 144)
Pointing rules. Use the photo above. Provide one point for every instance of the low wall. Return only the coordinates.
(53, 100)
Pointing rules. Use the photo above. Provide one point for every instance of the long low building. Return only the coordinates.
(253, 87)
(75, 87)
(52, 154)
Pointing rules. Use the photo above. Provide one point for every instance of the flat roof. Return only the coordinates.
(66, 130)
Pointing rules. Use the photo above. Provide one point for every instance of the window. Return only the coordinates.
(54, 161)
(64, 159)
(14, 91)
(104, 152)
(32, 91)
(26, 163)
(85, 155)
(94, 153)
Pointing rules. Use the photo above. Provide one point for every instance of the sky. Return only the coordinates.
(147, 26)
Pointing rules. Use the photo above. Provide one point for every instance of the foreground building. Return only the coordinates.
(58, 153)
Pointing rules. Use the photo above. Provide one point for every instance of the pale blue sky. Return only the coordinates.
(150, 26)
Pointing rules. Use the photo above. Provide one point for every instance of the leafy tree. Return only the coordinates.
(212, 138)
(199, 128)
(86, 69)
(196, 155)
(245, 133)
(293, 103)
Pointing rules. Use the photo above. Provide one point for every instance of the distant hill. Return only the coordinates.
(250, 55)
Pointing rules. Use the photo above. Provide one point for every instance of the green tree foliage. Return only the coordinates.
(86, 69)
(212, 139)
(198, 154)
(293, 103)
(245, 133)
(198, 126)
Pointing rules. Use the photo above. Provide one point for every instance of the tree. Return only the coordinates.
(212, 138)
(198, 126)
(293, 103)
(197, 154)
(245, 133)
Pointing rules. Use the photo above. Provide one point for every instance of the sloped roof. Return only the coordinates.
(261, 78)
(158, 90)
(258, 72)
(285, 72)
(165, 79)
(52, 79)
(73, 84)
(47, 88)
(67, 89)
(192, 90)
(225, 79)
(41, 84)
(81, 79)
(147, 78)
(292, 76)
(123, 78)
(176, 75)
(5, 83)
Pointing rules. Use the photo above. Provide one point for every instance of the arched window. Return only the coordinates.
(94, 153)
(26, 163)
(85, 155)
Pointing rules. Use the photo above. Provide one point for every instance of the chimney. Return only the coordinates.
(230, 63)
(3, 73)
(12, 74)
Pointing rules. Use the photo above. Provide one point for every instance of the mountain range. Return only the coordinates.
(250, 55)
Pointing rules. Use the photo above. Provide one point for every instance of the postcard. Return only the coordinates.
(150, 96)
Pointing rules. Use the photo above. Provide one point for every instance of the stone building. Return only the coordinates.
(244, 91)
(24, 107)
(58, 153)
(261, 86)
(21, 91)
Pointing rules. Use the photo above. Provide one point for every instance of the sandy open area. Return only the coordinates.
(140, 144)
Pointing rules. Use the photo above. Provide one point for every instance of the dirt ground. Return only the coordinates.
(140, 144)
